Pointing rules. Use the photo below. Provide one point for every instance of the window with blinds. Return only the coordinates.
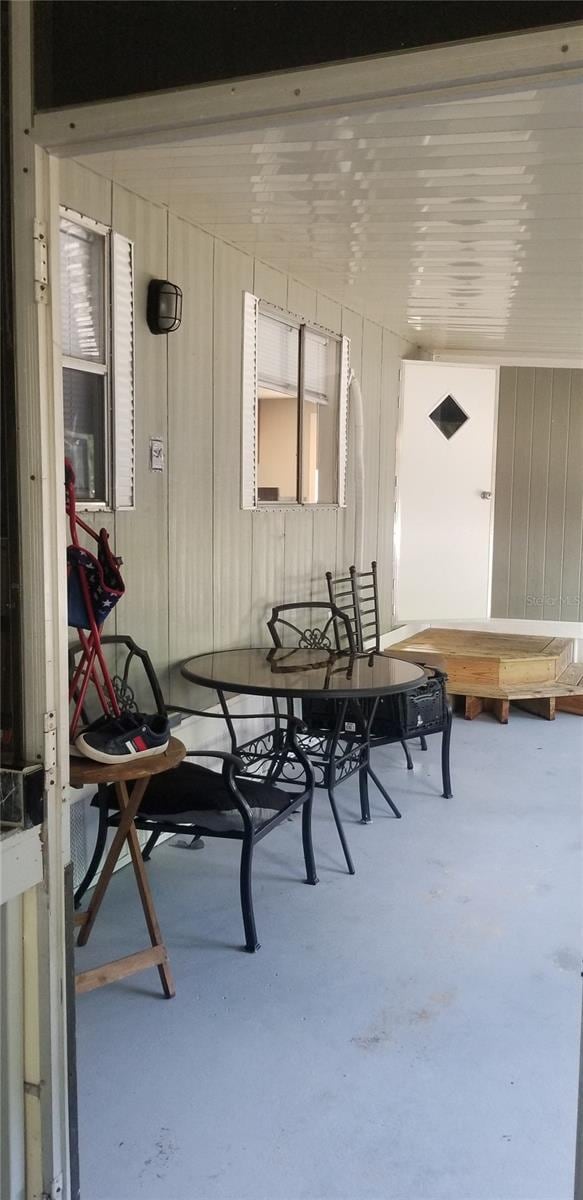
(97, 334)
(295, 384)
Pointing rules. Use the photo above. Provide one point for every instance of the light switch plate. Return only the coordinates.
(156, 454)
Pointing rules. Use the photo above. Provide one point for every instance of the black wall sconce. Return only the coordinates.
(164, 312)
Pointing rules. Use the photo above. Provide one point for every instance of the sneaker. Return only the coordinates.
(121, 739)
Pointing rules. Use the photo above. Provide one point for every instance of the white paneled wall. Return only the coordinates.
(199, 571)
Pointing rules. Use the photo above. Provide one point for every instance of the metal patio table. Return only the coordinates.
(356, 681)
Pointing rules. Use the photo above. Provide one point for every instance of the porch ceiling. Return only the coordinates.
(458, 224)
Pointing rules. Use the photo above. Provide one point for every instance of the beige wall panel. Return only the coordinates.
(268, 566)
(503, 491)
(372, 344)
(572, 606)
(301, 300)
(556, 494)
(142, 535)
(269, 284)
(199, 571)
(328, 313)
(538, 493)
(233, 275)
(86, 192)
(521, 492)
(190, 484)
(298, 549)
(323, 549)
(351, 328)
(393, 349)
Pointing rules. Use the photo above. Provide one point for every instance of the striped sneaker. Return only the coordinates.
(121, 739)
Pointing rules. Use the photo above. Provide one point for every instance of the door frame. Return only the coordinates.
(398, 453)
(45, 1002)
(429, 75)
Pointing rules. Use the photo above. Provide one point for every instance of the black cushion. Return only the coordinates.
(194, 795)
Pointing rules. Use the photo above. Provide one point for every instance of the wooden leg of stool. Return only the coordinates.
(473, 707)
(541, 706)
(501, 710)
(128, 810)
(146, 898)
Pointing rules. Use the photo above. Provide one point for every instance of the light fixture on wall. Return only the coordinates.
(164, 312)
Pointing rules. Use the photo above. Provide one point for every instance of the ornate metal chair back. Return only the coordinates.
(311, 625)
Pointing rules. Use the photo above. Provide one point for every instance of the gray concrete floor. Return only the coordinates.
(407, 1034)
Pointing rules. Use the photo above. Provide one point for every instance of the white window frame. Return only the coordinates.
(118, 396)
(252, 307)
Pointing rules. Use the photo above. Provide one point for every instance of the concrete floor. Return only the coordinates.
(407, 1034)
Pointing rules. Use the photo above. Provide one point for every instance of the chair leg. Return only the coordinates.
(423, 743)
(407, 756)
(365, 816)
(341, 834)
(98, 851)
(151, 842)
(251, 943)
(445, 742)
(307, 842)
(383, 792)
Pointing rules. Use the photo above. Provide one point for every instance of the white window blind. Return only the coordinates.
(277, 357)
(249, 402)
(82, 292)
(122, 281)
(316, 369)
(343, 420)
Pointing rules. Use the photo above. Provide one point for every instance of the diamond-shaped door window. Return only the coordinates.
(448, 417)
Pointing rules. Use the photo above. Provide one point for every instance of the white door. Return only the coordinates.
(445, 480)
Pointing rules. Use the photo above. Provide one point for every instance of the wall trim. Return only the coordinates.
(484, 66)
(571, 362)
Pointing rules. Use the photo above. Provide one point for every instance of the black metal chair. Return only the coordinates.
(418, 714)
(195, 800)
(335, 738)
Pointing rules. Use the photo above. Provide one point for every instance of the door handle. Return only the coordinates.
(485, 495)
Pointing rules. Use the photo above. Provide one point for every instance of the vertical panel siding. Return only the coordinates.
(232, 537)
(555, 507)
(325, 532)
(351, 328)
(503, 492)
(539, 495)
(299, 526)
(372, 357)
(268, 528)
(85, 192)
(392, 350)
(141, 536)
(521, 492)
(199, 571)
(572, 599)
(190, 433)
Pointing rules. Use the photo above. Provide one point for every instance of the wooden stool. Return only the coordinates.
(84, 771)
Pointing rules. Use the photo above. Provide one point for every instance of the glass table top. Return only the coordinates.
(302, 672)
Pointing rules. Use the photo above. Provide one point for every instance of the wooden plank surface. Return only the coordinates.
(120, 968)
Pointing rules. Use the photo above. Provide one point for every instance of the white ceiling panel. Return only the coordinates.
(459, 224)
